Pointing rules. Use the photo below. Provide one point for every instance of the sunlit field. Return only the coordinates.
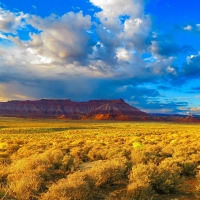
(85, 160)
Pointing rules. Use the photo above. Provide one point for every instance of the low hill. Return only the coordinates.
(174, 118)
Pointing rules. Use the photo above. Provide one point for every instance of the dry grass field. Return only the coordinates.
(91, 160)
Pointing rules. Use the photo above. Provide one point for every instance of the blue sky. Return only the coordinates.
(144, 51)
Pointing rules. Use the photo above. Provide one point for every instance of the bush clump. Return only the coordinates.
(75, 187)
(24, 185)
(146, 179)
(198, 183)
(139, 186)
(167, 178)
(109, 172)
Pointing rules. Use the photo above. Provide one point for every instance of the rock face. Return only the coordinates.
(65, 108)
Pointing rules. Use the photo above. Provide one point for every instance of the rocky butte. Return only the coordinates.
(67, 109)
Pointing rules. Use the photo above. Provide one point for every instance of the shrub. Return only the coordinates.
(95, 153)
(109, 172)
(53, 156)
(198, 184)
(77, 186)
(144, 179)
(3, 175)
(188, 168)
(167, 178)
(138, 156)
(4, 189)
(67, 162)
(139, 186)
(30, 163)
(24, 185)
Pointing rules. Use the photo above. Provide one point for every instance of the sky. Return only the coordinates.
(146, 52)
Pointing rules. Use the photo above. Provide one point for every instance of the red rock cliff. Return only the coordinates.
(95, 109)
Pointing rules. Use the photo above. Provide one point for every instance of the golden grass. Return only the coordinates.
(41, 159)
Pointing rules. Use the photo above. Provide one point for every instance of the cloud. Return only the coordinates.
(195, 88)
(150, 100)
(3, 36)
(112, 10)
(193, 28)
(10, 22)
(195, 109)
(188, 28)
(115, 34)
(136, 33)
(61, 37)
(192, 66)
(16, 40)
(153, 104)
(53, 88)
(186, 49)
(9, 91)
(80, 57)
(64, 44)
(163, 67)
(162, 87)
(164, 47)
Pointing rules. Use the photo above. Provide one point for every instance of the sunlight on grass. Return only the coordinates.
(43, 159)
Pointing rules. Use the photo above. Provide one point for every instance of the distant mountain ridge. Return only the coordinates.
(65, 108)
(94, 109)
(174, 117)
